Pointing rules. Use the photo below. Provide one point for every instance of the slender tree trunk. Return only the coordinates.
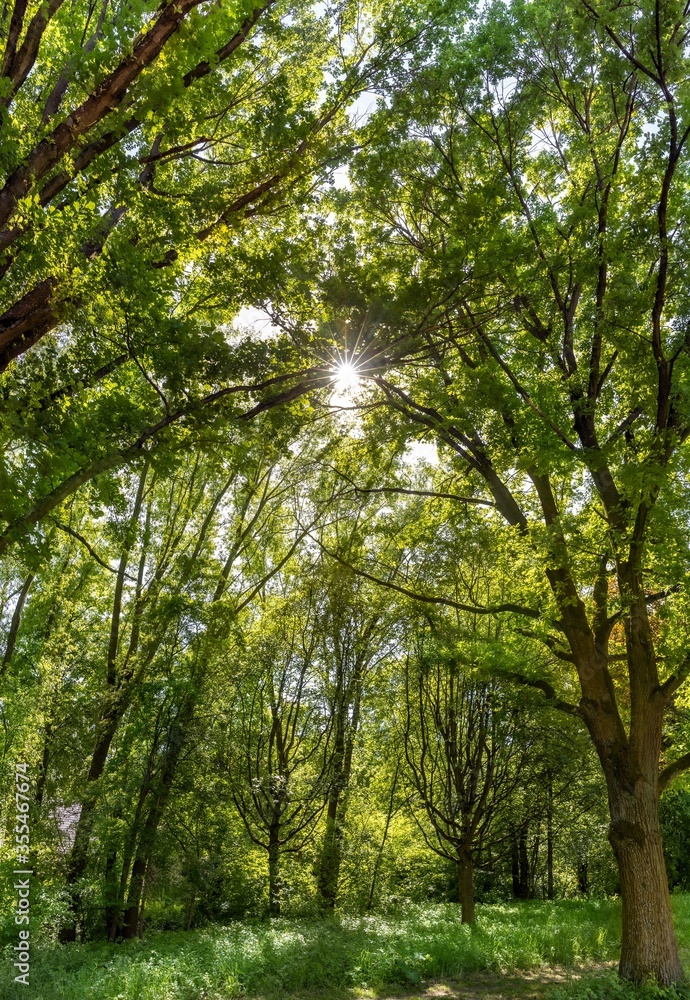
(133, 915)
(523, 861)
(115, 703)
(80, 848)
(130, 922)
(14, 624)
(549, 840)
(111, 886)
(43, 769)
(532, 867)
(128, 854)
(379, 855)
(466, 888)
(331, 853)
(274, 871)
(515, 862)
(190, 911)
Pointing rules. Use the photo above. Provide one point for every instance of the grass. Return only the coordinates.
(609, 987)
(284, 957)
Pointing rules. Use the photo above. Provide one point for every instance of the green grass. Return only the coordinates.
(609, 987)
(286, 956)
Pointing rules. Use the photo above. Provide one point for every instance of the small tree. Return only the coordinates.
(281, 742)
(464, 756)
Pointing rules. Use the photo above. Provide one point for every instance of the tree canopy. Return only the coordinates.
(344, 384)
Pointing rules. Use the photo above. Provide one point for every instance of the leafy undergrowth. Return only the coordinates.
(610, 987)
(283, 957)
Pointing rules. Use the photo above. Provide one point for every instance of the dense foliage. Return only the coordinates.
(343, 468)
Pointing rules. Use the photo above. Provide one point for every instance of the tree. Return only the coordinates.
(528, 204)
(280, 742)
(354, 637)
(464, 754)
(142, 152)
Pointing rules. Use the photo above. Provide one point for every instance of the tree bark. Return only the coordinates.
(648, 948)
(331, 853)
(466, 888)
(274, 872)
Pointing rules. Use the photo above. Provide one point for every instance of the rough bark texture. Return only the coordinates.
(649, 948)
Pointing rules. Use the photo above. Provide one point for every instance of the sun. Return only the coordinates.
(346, 378)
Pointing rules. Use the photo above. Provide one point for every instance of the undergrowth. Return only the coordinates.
(282, 957)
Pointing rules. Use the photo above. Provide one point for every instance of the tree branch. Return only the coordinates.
(672, 770)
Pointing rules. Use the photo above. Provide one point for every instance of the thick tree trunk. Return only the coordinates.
(629, 756)
(649, 949)
(466, 888)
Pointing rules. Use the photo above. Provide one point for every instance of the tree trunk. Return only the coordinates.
(345, 733)
(79, 854)
(130, 922)
(648, 949)
(331, 853)
(133, 917)
(466, 888)
(43, 769)
(274, 872)
(114, 704)
(520, 863)
(111, 885)
(190, 911)
(379, 855)
(14, 624)
(515, 862)
(549, 840)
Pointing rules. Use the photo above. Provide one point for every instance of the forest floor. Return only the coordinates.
(533, 984)
(564, 950)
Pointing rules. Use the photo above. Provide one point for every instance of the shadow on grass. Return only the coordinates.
(343, 958)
